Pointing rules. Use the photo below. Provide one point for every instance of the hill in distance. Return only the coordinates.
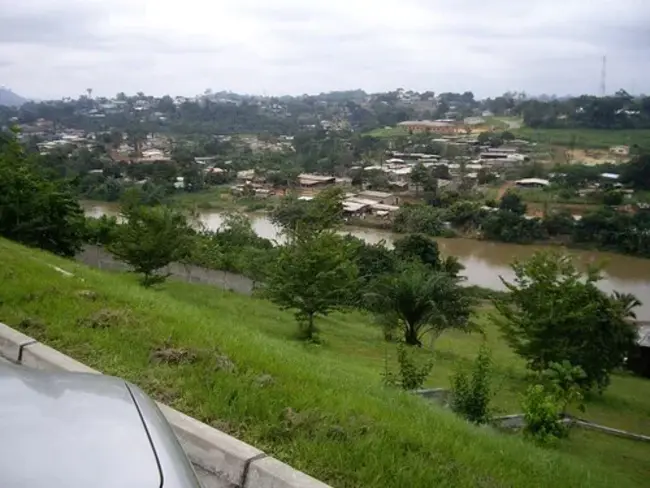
(9, 98)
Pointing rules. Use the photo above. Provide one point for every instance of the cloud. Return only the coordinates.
(52, 49)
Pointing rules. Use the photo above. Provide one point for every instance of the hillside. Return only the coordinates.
(10, 99)
(232, 362)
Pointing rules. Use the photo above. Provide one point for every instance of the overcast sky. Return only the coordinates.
(55, 48)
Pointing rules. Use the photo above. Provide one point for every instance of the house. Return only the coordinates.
(153, 155)
(247, 174)
(430, 126)
(620, 150)
(379, 197)
(354, 209)
(639, 360)
(205, 159)
(532, 183)
(308, 180)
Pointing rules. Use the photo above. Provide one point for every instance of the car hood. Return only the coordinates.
(73, 431)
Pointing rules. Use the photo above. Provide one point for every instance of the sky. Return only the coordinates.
(55, 48)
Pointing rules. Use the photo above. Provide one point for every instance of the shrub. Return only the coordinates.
(470, 392)
(564, 380)
(542, 416)
(411, 374)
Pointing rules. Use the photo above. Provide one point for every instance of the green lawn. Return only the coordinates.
(219, 198)
(232, 361)
(388, 132)
(585, 138)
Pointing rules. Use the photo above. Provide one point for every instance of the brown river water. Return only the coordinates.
(485, 262)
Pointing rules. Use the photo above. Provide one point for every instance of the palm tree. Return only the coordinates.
(420, 301)
(628, 302)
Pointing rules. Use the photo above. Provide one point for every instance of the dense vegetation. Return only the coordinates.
(620, 111)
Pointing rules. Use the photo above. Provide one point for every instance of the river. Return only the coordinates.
(485, 262)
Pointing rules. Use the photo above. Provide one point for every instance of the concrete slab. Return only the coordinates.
(271, 473)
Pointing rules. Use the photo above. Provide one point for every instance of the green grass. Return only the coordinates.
(388, 132)
(220, 198)
(585, 138)
(321, 408)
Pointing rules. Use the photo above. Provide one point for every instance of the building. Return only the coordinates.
(247, 174)
(532, 183)
(379, 197)
(620, 150)
(307, 180)
(430, 126)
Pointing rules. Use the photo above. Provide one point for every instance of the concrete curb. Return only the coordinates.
(12, 343)
(271, 473)
(222, 456)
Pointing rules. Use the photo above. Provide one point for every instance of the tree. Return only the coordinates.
(33, 210)
(484, 138)
(419, 301)
(637, 172)
(612, 198)
(324, 212)
(419, 176)
(558, 222)
(418, 247)
(150, 239)
(555, 313)
(313, 275)
(512, 202)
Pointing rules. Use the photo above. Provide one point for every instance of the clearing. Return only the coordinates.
(232, 362)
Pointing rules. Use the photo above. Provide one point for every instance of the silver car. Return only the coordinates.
(77, 430)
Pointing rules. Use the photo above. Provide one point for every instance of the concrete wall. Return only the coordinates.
(97, 257)
(221, 461)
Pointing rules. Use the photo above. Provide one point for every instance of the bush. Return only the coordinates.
(101, 231)
(564, 380)
(411, 374)
(542, 416)
(470, 393)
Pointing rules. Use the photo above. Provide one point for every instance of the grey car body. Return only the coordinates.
(77, 430)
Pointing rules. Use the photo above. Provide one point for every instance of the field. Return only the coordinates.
(219, 198)
(233, 361)
(585, 138)
(388, 132)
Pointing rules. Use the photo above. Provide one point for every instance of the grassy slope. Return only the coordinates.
(343, 427)
(586, 138)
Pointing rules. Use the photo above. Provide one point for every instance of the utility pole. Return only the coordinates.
(603, 78)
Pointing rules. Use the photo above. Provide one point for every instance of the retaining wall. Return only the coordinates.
(219, 459)
(97, 257)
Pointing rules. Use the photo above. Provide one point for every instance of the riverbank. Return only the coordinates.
(232, 361)
(485, 262)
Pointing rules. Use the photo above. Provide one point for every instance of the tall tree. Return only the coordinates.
(419, 176)
(33, 210)
(322, 213)
(554, 313)
(150, 239)
(313, 275)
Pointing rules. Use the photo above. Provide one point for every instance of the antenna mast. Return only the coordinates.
(603, 78)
